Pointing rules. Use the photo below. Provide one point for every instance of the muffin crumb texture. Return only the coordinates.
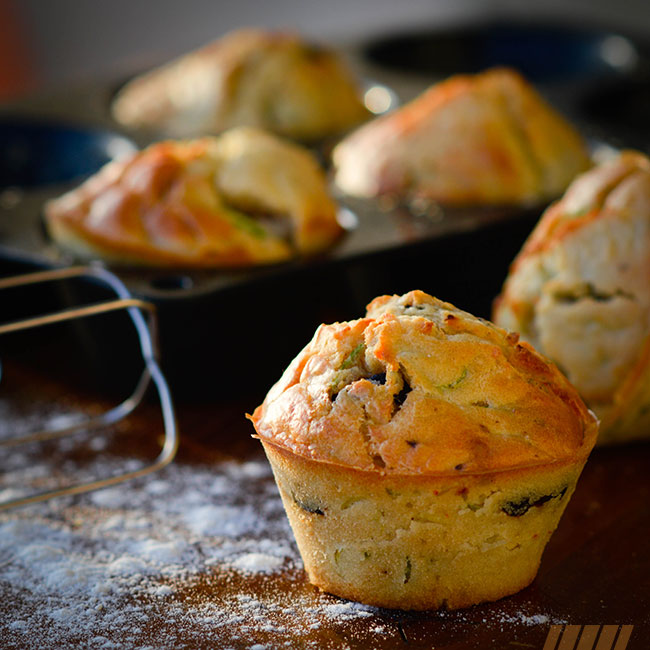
(424, 456)
(366, 393)
(480, 139)
(579, 291)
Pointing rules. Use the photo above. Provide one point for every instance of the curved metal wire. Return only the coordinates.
(147, 338)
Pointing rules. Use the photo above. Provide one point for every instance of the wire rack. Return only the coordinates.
(143, 317)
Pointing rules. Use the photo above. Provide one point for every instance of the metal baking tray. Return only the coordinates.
(384, 249)
(42, 157)
(460, 255)
(49, 142)
(369, 229)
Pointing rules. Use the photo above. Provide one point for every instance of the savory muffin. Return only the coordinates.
(249, 77)
(424, 456)
(579, 291)
(473, 139)
(245, 197)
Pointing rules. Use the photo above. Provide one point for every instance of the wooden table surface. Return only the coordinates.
(595, 571)
(166, 578)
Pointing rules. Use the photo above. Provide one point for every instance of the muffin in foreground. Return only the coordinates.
(579, 291)
(245, 197)
(249, 77)
(480, 139)
(424, 456)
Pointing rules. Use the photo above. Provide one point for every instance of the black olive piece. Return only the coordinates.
(379, 378)
(308, 506)
(516, 508)
(408, 570)
(521, 507)
(400, 397)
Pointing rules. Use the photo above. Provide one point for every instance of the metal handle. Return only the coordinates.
(146, 336)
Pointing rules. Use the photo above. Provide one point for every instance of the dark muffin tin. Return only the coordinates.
(251, 321)
(53, 156)
(36, 154)
(598, 76)
(544, 52)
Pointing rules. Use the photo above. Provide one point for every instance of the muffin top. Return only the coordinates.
(249, 77)
(245, 197)
(421, 387)
(579, 290)
(488, 138)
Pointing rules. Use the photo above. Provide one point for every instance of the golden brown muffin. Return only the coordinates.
(212, 202)
(482, 139)
(249, 77)
(424, 456)
(579, 291)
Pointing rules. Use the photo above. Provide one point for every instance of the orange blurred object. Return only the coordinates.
(17, 74)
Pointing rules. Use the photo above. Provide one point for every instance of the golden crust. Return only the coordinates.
(579, 291)
(424, 456)
(420, 541)
(249, 77)
(195, 204)
(482, 139)
(420, 387)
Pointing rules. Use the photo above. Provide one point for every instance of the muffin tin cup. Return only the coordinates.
(462, 255)
(383, 249)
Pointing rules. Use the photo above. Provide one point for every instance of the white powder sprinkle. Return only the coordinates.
(195, 553)
(258, 563)
(521, 618)
(347, 611)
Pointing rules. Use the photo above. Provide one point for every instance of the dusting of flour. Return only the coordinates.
(106, 566)
(193, 556)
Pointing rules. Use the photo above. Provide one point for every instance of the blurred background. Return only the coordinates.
(50, 42)
(590, 58)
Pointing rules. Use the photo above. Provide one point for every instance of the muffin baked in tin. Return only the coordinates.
(250, 77)
(579, 291)
(424, 456)
(480, 139)
(243, 198)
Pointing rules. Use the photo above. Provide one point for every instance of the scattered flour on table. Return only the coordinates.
(257, 562)
(106, 565)
(525, 619)
(100, 570)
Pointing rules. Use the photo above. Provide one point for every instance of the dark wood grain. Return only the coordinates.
(596, 569)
